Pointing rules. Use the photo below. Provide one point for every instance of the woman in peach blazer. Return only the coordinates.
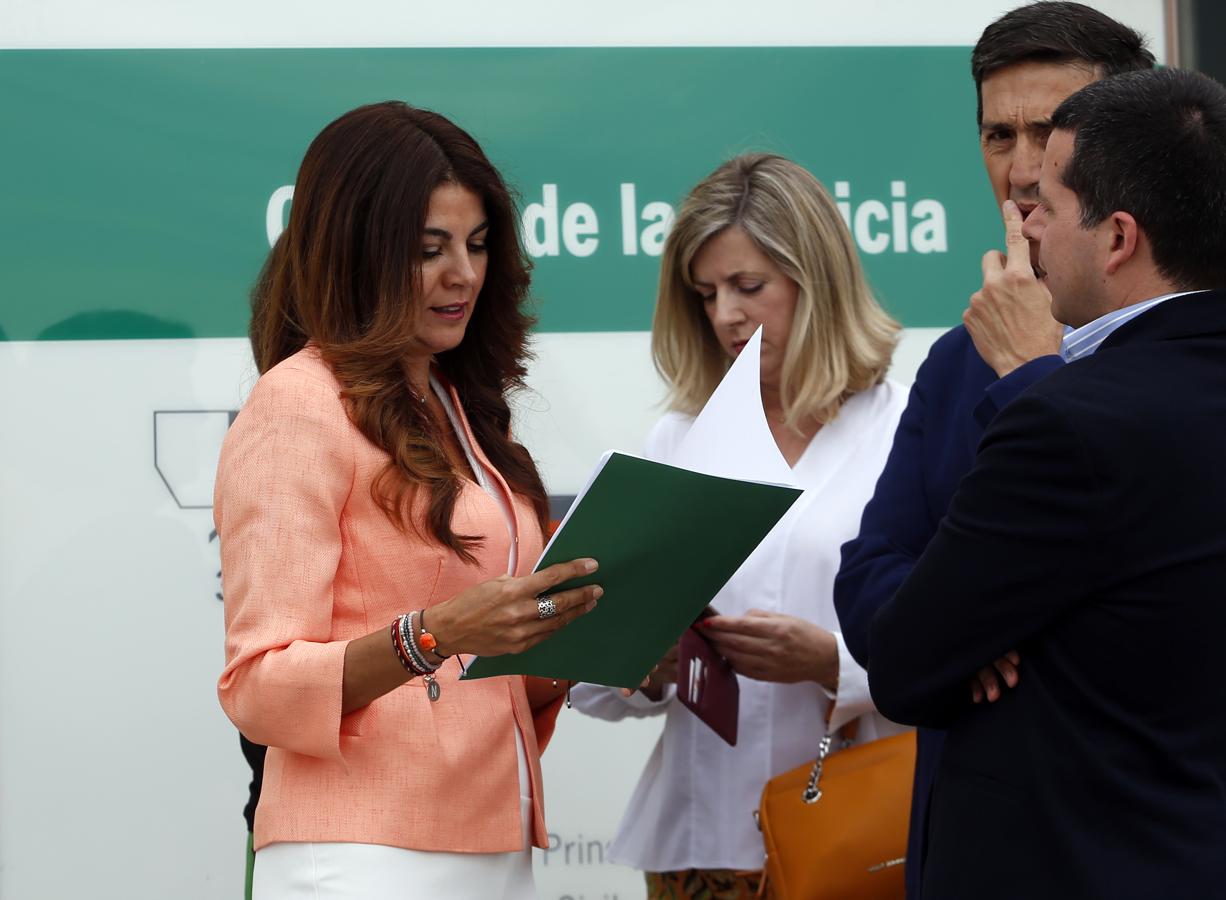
(377, 523)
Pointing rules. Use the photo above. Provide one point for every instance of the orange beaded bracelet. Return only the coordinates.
(427, 641)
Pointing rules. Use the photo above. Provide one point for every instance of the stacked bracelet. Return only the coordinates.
(406, 647)
(408, 630)
(404, 641)
(398, 646)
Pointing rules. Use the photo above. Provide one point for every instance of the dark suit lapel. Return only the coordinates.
(1193, 315)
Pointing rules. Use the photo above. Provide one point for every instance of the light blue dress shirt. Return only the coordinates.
(1081, 342)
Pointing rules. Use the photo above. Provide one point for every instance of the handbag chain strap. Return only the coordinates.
(813, 791)
(846, 734)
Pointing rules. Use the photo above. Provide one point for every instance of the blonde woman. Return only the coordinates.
(759, 242)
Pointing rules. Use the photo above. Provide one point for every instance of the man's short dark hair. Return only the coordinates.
(1057, 32)
(1153, 144)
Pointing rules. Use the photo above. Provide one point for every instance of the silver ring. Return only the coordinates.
(546, 608)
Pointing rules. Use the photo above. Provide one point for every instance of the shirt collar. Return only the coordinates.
(1084, 341)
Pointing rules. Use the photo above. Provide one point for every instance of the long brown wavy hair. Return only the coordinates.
(345, 274)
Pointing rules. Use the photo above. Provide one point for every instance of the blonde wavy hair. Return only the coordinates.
(841, 339)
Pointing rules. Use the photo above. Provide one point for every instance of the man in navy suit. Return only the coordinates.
(1024, 65)
(1090, 536)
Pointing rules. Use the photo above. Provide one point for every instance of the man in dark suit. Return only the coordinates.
(1024, 65)
(1091, 536)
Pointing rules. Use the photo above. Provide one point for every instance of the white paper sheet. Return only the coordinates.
(730, 437)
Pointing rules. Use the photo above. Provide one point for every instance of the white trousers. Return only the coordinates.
(351, 871)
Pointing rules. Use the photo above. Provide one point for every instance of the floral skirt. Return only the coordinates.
(703, 884)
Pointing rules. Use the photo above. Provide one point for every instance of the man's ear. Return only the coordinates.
(1122, 234)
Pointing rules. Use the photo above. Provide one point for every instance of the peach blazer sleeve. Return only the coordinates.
(278, 515)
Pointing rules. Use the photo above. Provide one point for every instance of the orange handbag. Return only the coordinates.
(836, 828)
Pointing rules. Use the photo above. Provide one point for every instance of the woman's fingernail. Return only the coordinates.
(597, 592)
(589, 565)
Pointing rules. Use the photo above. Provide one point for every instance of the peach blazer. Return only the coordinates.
(310, 562)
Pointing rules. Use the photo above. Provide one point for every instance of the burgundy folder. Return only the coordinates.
(706, 684)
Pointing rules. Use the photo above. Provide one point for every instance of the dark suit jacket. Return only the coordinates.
(1091, 536)
(955, 394)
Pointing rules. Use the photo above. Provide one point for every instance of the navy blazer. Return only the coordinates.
(1091, 536)
(954, 396)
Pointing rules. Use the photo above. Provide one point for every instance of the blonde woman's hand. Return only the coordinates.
(664, 672)
(503, 615)
(769, 646)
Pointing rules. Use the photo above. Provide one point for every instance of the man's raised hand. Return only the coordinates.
(1009, 317)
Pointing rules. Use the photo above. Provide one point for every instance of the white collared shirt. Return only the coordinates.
(694, 804)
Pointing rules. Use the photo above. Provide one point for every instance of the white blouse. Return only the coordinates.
(694, 804)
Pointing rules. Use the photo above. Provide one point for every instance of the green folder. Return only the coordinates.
(666, 539)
